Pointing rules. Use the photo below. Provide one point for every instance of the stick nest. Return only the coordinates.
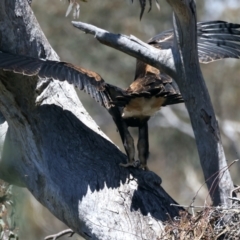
(207, 224)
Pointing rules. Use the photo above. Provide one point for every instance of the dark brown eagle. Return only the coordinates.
(150, 90)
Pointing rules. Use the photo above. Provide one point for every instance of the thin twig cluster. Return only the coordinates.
(207, 224)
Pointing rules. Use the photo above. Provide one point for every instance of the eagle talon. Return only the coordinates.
(144, 167)
(135, 164)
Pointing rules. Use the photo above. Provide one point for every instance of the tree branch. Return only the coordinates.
(60, 234)
(162, 59)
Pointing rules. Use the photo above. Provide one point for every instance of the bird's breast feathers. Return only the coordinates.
(142, 107)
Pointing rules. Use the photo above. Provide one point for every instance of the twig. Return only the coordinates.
(222, 171)
(234, 199)
(235, 190)
(60, 234)
(208, 207)
(220, 234)
(217, 174)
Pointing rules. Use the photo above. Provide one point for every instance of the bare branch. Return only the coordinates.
(162, 59)
(60, 234)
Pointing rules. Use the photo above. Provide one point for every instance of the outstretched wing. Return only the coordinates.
(81, 78)
(216, 40)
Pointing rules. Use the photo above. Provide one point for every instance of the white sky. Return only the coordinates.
(216, 7)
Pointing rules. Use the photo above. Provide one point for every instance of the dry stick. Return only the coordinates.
(220, 234)
(234, 199)
(223, 170)
(212, 207)
(195, 196)
(213, 184)
(60, 234)
(234, 190)
(218, 172)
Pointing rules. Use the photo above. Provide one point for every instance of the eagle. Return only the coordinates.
(150, 90)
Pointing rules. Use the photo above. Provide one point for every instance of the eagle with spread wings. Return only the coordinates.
(150, 90)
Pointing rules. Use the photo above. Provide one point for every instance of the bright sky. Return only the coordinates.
(216, 7)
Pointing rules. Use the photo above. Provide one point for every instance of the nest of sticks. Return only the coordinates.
(206, 223)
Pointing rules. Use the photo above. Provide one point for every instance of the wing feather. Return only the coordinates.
(77, 82)
(216, 40)
(89, 81)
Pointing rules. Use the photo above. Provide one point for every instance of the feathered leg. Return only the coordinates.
(143, 145)
(126, 137)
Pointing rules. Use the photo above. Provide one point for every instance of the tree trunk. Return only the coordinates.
(56, 150)
(198, 103)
